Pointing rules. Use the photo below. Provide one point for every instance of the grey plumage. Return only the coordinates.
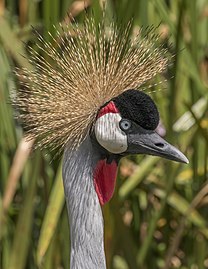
(85, 215)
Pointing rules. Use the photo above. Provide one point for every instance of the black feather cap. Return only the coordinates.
(139, 107)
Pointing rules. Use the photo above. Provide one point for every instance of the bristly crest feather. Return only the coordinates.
(84, 68)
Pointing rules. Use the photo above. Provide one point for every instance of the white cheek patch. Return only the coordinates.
(109, 135)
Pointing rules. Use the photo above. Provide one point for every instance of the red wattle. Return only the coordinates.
(105, 180)
(109, 108)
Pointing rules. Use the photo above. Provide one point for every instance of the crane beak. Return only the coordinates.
(149, 142)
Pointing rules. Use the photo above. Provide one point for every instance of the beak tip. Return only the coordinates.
(184, 159)
(178, 156)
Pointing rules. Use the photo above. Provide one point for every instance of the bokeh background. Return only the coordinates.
(158, 217)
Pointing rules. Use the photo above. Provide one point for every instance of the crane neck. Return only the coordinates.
(84, 210)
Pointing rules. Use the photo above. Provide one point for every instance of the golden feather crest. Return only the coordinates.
(84, 68)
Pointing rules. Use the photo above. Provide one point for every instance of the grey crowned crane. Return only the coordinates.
(87, 98)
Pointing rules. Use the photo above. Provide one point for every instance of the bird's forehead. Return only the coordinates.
(139, 107)
(136, 106)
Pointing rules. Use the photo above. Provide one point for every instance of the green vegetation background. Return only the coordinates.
(158, 217)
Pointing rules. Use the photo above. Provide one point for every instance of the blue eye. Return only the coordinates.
(125, 125)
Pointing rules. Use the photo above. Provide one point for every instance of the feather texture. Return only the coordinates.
(84, 67)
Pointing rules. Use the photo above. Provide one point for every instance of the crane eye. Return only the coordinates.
(125, 125)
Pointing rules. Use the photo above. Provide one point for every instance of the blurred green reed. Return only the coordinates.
(158, 217)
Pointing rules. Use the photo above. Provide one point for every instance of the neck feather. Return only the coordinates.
(85, 215)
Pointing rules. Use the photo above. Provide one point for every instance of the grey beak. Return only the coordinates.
(149, 142)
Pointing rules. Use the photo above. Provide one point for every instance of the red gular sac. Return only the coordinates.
(105, 180)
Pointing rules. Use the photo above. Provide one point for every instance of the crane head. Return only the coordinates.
(126, 125)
